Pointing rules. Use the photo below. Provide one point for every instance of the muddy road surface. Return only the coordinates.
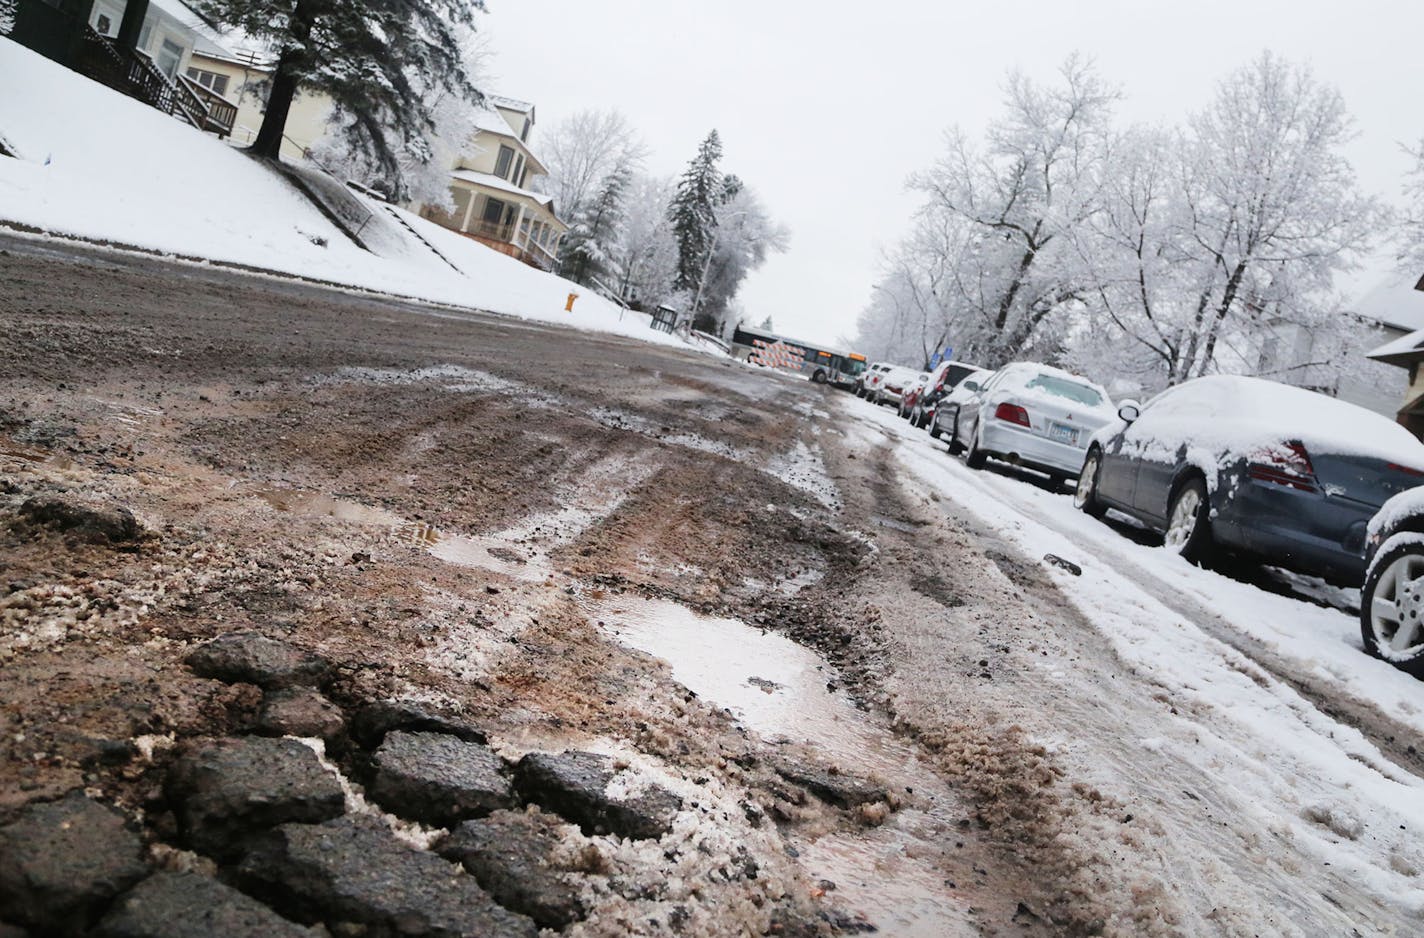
(322, 611)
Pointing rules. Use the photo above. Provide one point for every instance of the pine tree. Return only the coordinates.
(694, 211)
(380, 62)
(591, 241)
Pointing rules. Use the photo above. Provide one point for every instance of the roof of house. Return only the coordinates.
(513, 104)
(491, 181)
(489, 120)
(1396, 302)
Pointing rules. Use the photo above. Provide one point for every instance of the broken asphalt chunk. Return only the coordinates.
(180, 905)
(1062, 564)
(438, 779)
(574, 784)
(373, 721)
(300, 711)
(61, 863)
(250, 658)
(83, 517)
(355, 870)
(843, 791)
(225, 790)
(509, 854)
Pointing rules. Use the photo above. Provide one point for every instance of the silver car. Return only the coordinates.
(1029, 415)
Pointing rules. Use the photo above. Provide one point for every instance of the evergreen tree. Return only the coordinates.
(694, 212)
(592, 240)
(380, 62)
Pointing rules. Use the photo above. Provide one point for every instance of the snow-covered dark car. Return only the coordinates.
(1392, 597)
(1253, 467)
(1030, 415)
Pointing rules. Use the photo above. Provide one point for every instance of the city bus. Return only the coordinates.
(822, 365)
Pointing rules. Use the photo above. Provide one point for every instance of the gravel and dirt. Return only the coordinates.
(323, 611)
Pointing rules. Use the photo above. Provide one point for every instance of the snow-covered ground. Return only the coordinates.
(1240, 664)
(95, 164)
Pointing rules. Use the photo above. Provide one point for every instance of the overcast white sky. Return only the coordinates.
(826, 107)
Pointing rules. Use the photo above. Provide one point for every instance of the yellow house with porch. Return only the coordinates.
(493, 186)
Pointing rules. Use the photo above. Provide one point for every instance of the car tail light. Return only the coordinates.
(1405, 469)
(1012, 413)
(1288, 464)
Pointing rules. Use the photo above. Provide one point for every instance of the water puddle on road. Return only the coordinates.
(890, 876)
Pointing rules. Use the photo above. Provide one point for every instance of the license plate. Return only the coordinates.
(1062, 433)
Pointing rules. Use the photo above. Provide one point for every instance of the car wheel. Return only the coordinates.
(1085, 495)
(924, 420)
(955, 447)
(819, 377)
(974, 458)
(1188, 522)
(1392, 607)
(935, 431)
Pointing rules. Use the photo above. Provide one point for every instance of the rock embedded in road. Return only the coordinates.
(181, 905)
(250, 658)
(61, 863)
(843, 791)
(355, 870)
(300, 711)
(83, 517)
(373, 721)
(575, 785)
(225, 790)
(438, 779)
(510, 854)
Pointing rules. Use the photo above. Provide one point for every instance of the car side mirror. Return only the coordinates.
(1129, 410)
(971, 385)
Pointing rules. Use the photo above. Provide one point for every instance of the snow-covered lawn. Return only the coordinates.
(95, 164)
(1297, 771)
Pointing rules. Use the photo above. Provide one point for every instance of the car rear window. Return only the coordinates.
(955, 374)
(1062, 387)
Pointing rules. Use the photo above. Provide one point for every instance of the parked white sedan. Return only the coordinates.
(1030, 415)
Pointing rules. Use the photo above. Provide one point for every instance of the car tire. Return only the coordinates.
(974, 457)
(1085, 495)
(923, 421)
(1189, 521)
(955, 447)
(818, 378)
(1391, 601)
(935, 431)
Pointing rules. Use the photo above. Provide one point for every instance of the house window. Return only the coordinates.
(524, 134)
(169, 55)
(209, 79)
(518, 170)
(503, 162)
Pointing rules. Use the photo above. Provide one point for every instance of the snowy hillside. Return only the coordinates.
(96, 164)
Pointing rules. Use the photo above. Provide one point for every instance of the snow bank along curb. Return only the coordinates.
(96, 166)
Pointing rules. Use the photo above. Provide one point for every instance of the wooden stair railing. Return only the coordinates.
(135, 74)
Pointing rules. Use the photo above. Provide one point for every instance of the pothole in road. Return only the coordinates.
(892, 877)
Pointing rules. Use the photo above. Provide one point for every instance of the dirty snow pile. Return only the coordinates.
(96, 164)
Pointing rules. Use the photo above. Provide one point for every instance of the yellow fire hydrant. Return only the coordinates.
(569, 306)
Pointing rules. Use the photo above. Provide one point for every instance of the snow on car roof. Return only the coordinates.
(1022, 373)
(1240, 414)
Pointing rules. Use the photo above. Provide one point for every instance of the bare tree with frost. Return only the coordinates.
(1020, 198)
